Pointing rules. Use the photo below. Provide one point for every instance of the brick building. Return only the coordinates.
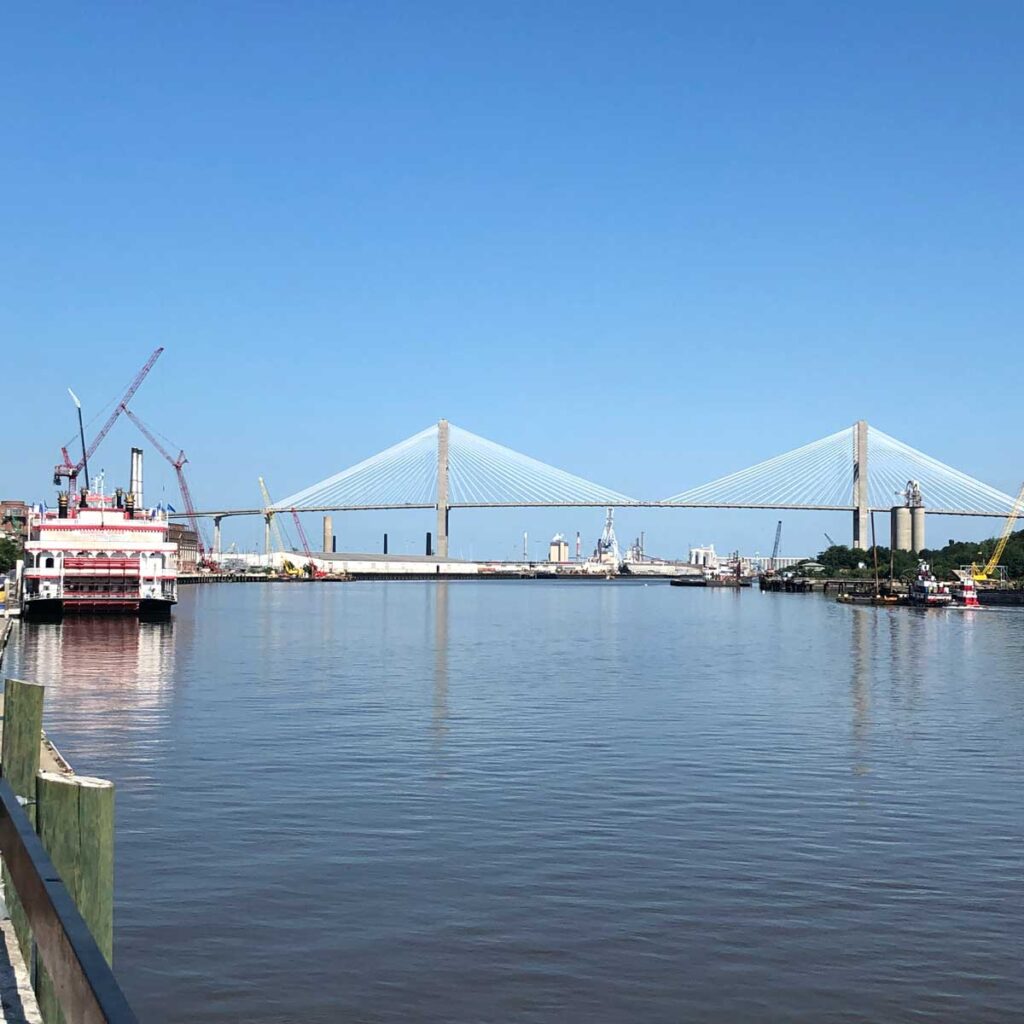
(188, 546)
(14, 520)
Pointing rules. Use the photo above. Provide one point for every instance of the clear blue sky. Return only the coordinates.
(648, 242)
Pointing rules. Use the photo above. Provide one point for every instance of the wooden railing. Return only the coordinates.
(84, 983)
(57, 847)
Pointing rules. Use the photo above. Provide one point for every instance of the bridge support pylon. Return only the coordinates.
(267, 520)
(862, 505)
(216, 535)
(441, 548)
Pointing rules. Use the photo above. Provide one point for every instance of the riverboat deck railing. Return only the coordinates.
(83, 980)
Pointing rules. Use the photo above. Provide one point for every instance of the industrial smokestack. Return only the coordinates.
(135, 487)
(430, 544)
(385, 543)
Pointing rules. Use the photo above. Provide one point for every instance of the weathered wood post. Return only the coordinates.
(19, 765)
(75, 821)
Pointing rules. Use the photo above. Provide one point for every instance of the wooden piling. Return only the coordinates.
(75, 821)
(19, 765)
(22, 735)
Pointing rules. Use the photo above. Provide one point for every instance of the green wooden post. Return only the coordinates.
(19, 765)
(75, 821)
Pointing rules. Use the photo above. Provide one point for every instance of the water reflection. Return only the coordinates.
(100, 656)
(440, 716)
(863, 625)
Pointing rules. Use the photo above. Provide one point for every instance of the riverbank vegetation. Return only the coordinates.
(10, 552)
(840, 560)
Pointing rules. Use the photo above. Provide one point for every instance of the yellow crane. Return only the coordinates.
(276, 541)
(990, 566)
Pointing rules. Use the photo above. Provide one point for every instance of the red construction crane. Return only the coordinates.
(70, 470)
(178, 464)
(317, 573)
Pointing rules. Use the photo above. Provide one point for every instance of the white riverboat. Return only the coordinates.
(97, 554)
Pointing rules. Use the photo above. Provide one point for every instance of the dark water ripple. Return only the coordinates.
(483, 802)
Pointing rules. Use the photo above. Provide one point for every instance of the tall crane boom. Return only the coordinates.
(178, 464)
(1011, 519)
(71, 470)
(302, 536)
(268, 510)
(314, 571)
(778, 541)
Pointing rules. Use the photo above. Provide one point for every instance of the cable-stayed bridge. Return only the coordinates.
(859, 470)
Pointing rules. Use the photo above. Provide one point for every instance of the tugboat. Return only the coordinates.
(98, 555)
(965, 593)
(926, 591)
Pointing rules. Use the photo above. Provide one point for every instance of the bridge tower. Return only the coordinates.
(442, 489)
(862, 505)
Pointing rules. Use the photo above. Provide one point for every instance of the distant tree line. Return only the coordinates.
(841, 560)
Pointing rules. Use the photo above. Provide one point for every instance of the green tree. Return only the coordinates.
(10, 552)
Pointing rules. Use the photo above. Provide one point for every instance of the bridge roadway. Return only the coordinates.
(224, 513)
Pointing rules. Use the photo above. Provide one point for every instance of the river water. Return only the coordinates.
(544, 801)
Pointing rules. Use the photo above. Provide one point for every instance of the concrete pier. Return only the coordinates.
(328, 534)
(441, 547)
(862, 510)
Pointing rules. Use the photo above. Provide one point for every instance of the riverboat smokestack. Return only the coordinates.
(135, 487)
(62, 505)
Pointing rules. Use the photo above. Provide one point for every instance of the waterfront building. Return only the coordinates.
(558, 549)
(14, 520)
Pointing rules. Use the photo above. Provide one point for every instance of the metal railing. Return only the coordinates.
(84, 983)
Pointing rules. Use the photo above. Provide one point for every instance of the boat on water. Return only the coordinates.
(965, 591)
(711, 579)
(98, 554)
(689, 581)
(926, 591)
(875, 600)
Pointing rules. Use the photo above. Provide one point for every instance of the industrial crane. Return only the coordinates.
(276, 537)
(69, 470)
(268, 511)
(990, 566)
(317, 573)
(778, 541)
(186, 495)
